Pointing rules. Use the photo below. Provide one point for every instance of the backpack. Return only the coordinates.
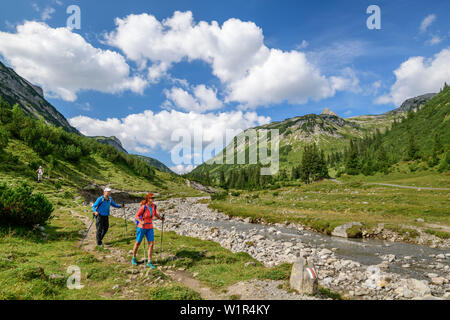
(103, 200)
(143, 214)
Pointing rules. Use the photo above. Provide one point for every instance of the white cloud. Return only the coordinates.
(374, 88)
(63, 63)
(152, 130)
(338, 54)
(302, 45)
(203, 99)
(180, 169)
(47, 13)
(347, 81)
(417, 76)
(434, 40)
(427, 22)
(252, 73)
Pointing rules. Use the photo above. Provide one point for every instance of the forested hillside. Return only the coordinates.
(71, 159)
(423, 136)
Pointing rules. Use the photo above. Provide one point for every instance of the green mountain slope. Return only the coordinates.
(433, 118)
(332, 133)
(72, 160)
(423, 135)
(329, 131)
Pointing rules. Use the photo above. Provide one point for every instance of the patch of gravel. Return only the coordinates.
(264, 290)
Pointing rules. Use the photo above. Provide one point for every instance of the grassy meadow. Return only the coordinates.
(328, 204)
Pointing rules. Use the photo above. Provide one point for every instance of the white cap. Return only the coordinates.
(107, 190)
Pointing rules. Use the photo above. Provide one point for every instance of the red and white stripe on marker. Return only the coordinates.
(312, 273)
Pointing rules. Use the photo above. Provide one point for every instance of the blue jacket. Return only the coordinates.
(103, 207)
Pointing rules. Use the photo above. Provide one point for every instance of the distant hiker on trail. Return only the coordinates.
(144, 219)
(101, 212)
(40, 173)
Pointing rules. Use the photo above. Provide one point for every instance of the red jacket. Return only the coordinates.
(148, 215)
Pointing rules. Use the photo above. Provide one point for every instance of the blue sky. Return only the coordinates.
(295, 58)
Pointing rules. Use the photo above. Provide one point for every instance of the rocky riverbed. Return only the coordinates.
(363, 269)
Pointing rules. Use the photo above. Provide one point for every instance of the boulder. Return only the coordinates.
(341, 231)
(414, 288)
(438, 281)
(304, 278)
(373, 277)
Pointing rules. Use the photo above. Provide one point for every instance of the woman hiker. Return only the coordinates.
(144, 219)
(101, 211)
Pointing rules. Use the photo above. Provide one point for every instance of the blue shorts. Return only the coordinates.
(147, 232)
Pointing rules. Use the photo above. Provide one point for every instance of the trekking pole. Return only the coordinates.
(162, 234)
(144, 247)
(125, 217)
(95, 217)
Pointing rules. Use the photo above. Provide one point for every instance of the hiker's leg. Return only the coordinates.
(98, 225)
(105, 227)
(136, 248)
(139, 238)
(150, 250)
(150, 238)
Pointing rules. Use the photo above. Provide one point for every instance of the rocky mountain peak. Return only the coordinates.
(328, 112)
(30, 97)
(414, 103)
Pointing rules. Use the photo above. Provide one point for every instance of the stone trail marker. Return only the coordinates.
(304, 278)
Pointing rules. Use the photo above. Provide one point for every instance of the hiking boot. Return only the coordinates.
(134, 261)
(149, 264)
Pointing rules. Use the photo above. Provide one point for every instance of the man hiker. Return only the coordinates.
(40, 173)
(101, 212)
(144, 218)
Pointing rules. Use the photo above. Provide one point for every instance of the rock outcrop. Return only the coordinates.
(341, 231)
(15, 89)
(328, 112)
(414, 103)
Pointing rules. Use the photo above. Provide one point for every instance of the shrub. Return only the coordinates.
(67, 195)
(444, 164)
(34, 165)
(3, 138)
(72, 153)
(43, 147)
(58, 185)
(219, 196)
(18, 206)
(31, 272)
(354, 232)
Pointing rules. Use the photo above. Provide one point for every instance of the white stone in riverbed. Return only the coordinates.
(416, 288)
(438, 281)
